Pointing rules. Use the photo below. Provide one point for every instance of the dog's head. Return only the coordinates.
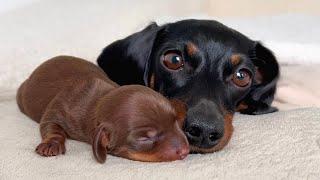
(215, 70)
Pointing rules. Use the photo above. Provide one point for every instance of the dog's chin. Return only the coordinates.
(218, 147)
(198, 150)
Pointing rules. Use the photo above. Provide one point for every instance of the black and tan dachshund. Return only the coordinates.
(214, 69)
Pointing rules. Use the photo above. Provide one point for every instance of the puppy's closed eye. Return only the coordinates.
(143, 139)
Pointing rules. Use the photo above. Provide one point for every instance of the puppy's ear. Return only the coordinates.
(181, 110)
(259, 100)
(100, 143)
(126, 61)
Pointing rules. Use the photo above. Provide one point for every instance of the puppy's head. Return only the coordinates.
(215, 70)
(145, 126)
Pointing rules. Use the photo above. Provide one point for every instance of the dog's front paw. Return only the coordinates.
(50, 148)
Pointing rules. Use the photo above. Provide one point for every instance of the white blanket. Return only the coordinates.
(282, 145)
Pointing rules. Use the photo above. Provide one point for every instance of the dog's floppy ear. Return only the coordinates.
(259, 100)
(101, 140)
(125, 61)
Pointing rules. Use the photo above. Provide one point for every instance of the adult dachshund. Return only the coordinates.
(214, 69)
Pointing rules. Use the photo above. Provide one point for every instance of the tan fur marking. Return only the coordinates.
(242, 106)
(152, 81)
(191, 49)
(235, 59)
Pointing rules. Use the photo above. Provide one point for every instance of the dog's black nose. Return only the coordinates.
(204, 126)
(203, 136)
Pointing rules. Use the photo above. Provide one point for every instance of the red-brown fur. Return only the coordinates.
(73, 98)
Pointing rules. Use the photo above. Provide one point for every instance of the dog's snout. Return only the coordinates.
(204, 126)
(214, 136)
(203, 136)
(194, 131)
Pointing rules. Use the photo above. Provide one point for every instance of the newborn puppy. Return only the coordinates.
(73, 98)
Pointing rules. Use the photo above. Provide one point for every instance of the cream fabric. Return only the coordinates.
(282, 145)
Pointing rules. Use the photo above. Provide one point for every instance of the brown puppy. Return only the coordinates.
(73, 98)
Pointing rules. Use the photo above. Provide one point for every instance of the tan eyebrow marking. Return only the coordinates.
(235, 59)
(191, 49)
(151, 83)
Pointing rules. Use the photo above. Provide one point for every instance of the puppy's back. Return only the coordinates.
(52, 77)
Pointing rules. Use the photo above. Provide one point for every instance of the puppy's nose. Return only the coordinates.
(183, 152)
(203, 136)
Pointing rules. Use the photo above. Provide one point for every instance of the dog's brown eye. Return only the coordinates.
(241, 78)
(172, 61)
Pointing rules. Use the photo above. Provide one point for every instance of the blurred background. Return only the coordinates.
(34, 30)
(219, 8)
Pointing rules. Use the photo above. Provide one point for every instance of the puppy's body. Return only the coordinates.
(54, 76)
(73, 98)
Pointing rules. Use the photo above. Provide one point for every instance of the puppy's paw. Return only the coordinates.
(50, 148)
